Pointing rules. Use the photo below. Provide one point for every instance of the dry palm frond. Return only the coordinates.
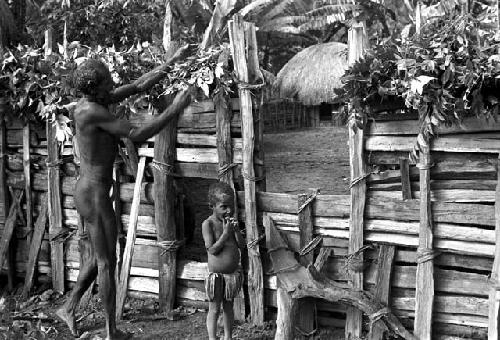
(313, 74)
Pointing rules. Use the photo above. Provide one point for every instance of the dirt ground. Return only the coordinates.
(295, 162)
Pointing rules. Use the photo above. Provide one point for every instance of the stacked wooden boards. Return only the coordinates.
(196, 159)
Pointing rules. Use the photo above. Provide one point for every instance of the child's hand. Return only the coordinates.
(228, 225)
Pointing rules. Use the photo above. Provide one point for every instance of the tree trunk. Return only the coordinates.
(7, 25)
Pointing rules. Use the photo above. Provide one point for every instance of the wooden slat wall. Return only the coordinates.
(464, 230)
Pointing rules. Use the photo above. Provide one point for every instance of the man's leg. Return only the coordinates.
(87, 274)
(103, 236)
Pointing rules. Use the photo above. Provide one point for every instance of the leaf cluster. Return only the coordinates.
(38, 87)
(449, 71)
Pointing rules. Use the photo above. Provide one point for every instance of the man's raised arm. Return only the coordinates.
(147, 80)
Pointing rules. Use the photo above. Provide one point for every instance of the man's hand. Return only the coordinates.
(182, 99)
(181, 53)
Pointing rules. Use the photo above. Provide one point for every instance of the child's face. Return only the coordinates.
(223, 207)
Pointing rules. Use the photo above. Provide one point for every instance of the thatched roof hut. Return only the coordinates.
(312, 74)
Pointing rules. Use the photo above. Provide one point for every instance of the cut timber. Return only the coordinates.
(195, 155)
(54, 209)
(494, 294)
(474, 143)
(4, 191)
(301, 282)
(425, 265)
(189, 122)
(225, 154)
(383, 286)
(27, 179)
(34, 248)
(411, 127)
(166, 226)
(8, 229)
(129, 246)
(357, 166)
(404, 168)
(287, 311)
(306, 307)
(255, 273)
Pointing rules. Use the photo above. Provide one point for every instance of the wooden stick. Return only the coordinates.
(255, 272)
(404, 168)
(225, 153)
(54, 193)
(4, 192)
(494, 294)
(8, 230)
(129, 247)
(27, 179)
(322, 259)
(165, 196)
(35, 243)
(306, 307)
(425, 266)
(383, 285)
(356, 46)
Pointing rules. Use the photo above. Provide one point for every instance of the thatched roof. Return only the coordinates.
(312, 74)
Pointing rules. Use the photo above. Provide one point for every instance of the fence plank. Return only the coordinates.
(383, 284)
(34, 248)
(494, 295)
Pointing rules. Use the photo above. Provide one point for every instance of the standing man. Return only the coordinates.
(98, 133)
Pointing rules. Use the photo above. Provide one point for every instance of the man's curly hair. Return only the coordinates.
(89, 75)
(217, 190)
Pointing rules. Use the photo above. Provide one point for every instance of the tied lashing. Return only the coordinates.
(169, 246)
(165, 168)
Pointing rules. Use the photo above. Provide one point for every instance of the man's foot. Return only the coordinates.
(69, 319)
(120, 335)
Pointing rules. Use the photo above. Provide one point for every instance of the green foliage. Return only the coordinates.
(448, 72)
(104, 22)
(38, 87)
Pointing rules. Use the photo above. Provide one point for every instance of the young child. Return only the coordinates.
(222, 241)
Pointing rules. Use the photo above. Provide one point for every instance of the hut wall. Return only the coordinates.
(283, 114)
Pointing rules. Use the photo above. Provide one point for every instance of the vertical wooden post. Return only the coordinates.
(36, 241)
(494, 294)
(404, 169)
(287, 306)
(424, 295)
(27, 180)
(255, 272)
(383, 284)
(353, 329)
(4, 191)
(255, 76)
(121, 292)
(117, 206)
(164, 197)
(223, 116)
(306, 306)
(54, 193)
(285, 320)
